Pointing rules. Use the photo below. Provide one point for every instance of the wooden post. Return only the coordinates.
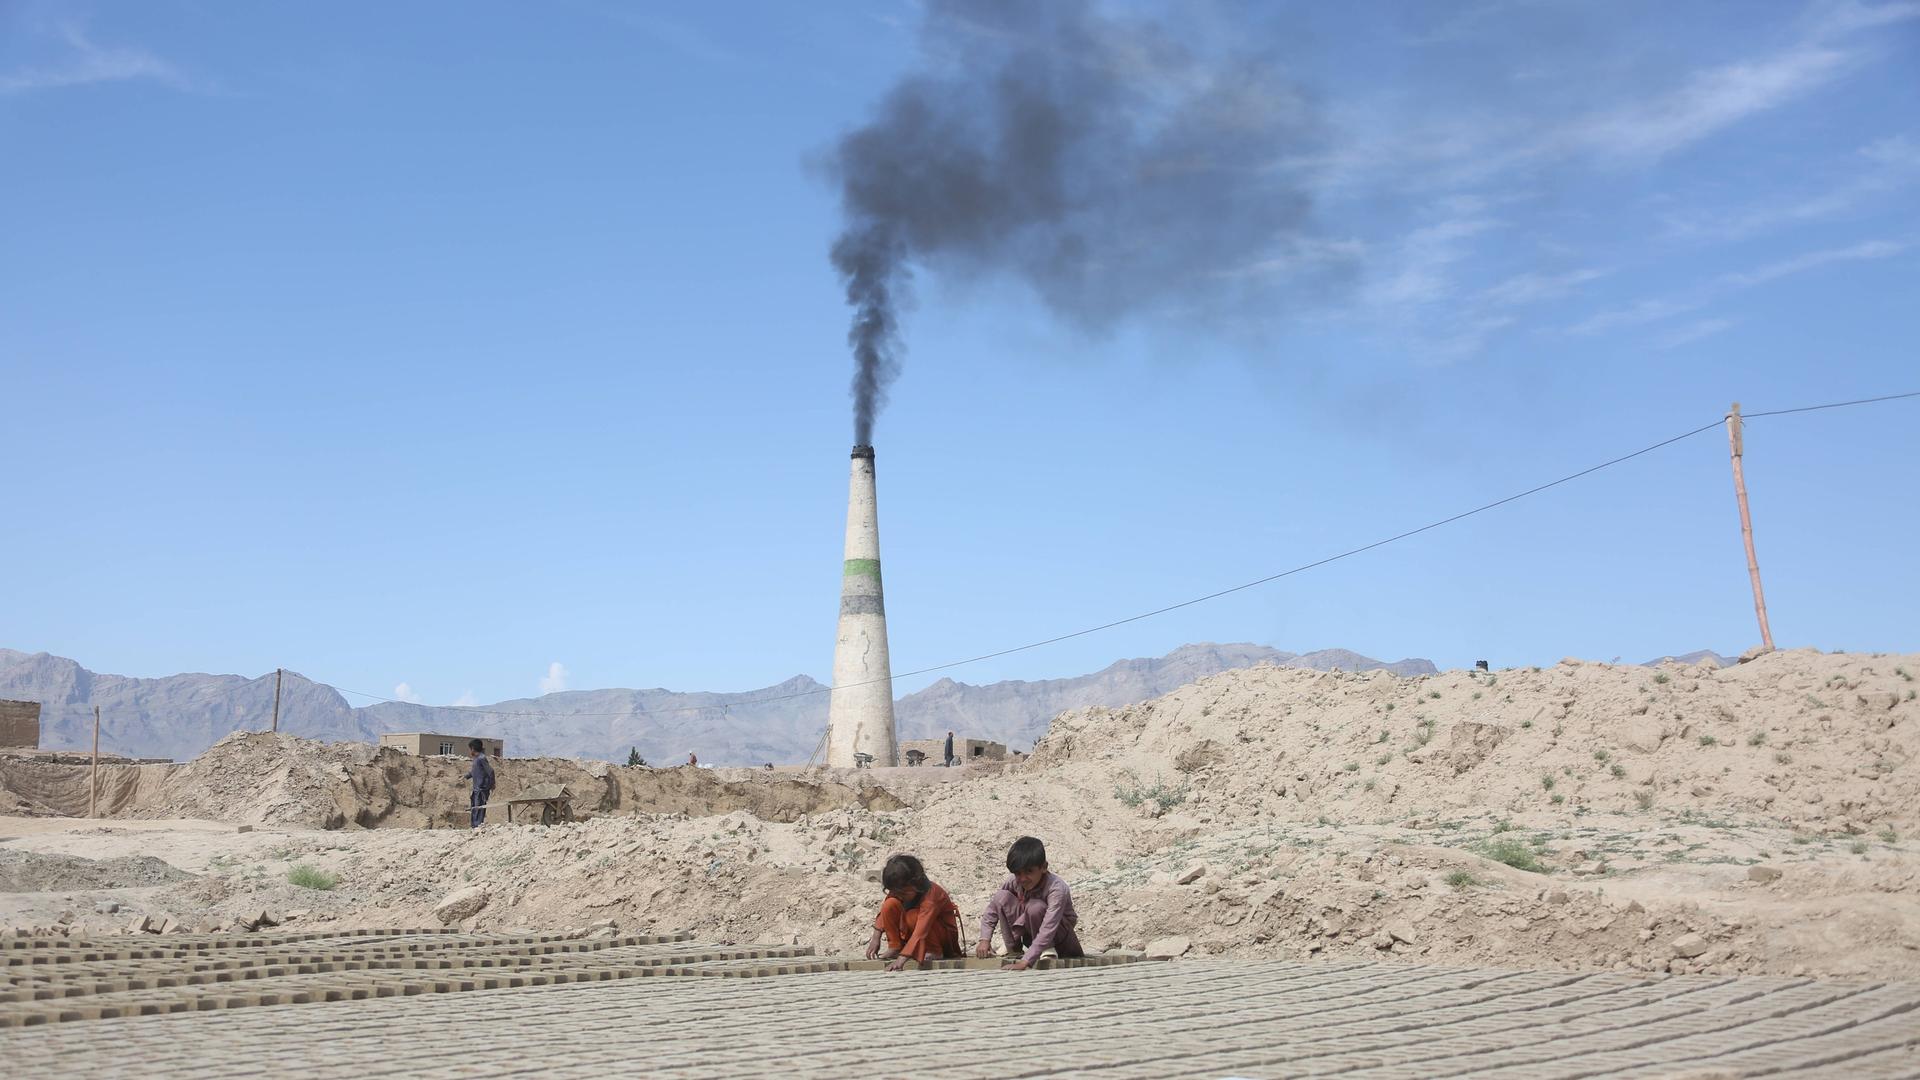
(276, 695)
(93, 783)
(1737, 443)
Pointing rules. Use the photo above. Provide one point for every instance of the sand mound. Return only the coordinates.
(255, 778)
(1682, 818)
(25, 871)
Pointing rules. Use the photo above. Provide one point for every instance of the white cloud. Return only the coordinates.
(1693, 332)
(1890, 164)
(1871, 249)
(406, 693)
(1710, 101)
(556, 678)
(88, 63)
(1534, 288)
(466, 700)
(1659, 309)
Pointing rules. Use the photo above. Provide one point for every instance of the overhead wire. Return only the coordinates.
(1302, 568)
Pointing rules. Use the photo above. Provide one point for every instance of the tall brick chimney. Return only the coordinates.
(860, 712)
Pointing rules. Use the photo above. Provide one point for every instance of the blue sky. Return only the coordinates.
(422, 348)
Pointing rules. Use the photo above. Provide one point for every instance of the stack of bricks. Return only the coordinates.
(52, 980)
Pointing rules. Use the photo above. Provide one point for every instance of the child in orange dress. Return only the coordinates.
(919, 921)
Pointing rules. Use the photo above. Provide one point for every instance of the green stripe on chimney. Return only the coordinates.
(863, 568)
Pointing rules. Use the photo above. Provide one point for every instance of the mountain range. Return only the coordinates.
(178, 716)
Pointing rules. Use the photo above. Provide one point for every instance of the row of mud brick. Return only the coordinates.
(72, 979)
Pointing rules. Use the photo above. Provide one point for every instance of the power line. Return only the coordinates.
(1832, 405)
(1302, 568)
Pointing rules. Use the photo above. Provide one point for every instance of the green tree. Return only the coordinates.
(633, 756)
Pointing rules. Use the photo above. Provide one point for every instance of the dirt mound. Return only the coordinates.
(256, 778)
(1801, 738)
(26, 871)
(1679, 818)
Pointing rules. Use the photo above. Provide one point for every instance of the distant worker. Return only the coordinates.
(950, 758)
(481, 773)
(692, 761)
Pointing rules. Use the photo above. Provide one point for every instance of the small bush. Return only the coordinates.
(1663, 678)
(1476, 695)
(1460, 879)
(1557, 799)
(1858, 847)
(1619, 771)
(1133, 793)
(1781, 757)
(1351, 766)
(1758, 738)
(1384, 736)
(1502, 826)
(1435, 695)
(1887, 834)
(1708, 740)
(308, 877)
(1369, 785)
(1546, 781)
(1643, 799)
(1526, 723)
(1389, 706)
(1513, 853)
(1601, 756)
(1902, 672)
(1383, 759)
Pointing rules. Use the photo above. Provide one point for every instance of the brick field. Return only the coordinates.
(438, 1004)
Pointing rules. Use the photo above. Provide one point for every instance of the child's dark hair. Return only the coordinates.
(903, 871)
(475, 744)
(1025, 854)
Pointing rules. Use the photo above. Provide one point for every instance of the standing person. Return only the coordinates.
(950, 757)
(481, 773)
(692, 761)
(1033, 909)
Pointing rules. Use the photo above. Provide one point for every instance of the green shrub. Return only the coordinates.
(1557, 799)
(1546, 781)
(1619, 771)
(1351, 766)
(1858, 847)
(1708, 740)
(1132, 793)
(1758, 738)
(1460, 879)
(1643, 799)
(1513, 853)
(308, 877)
(1663, 678)
(1601, 756)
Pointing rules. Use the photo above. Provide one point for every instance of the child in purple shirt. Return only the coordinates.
(1033, 909)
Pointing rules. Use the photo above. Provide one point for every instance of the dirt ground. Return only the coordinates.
(1586, 816)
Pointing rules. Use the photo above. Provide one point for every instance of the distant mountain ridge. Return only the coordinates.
(178, 716)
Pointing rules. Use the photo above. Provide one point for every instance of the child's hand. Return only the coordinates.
(1018, 965)
(899, 964)
(983, 950)
(873, 949)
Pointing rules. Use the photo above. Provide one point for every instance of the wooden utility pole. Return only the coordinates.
(277, 672)
(93, 783)
(1737, 443)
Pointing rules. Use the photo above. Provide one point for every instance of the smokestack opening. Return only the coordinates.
(863, 452)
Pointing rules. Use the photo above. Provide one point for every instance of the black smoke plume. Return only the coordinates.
(1111, 164)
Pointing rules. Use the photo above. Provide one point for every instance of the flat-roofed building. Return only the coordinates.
(933, 751)
(20, 724)
(429, 745)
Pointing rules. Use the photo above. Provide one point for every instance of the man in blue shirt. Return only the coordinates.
(482, 776)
